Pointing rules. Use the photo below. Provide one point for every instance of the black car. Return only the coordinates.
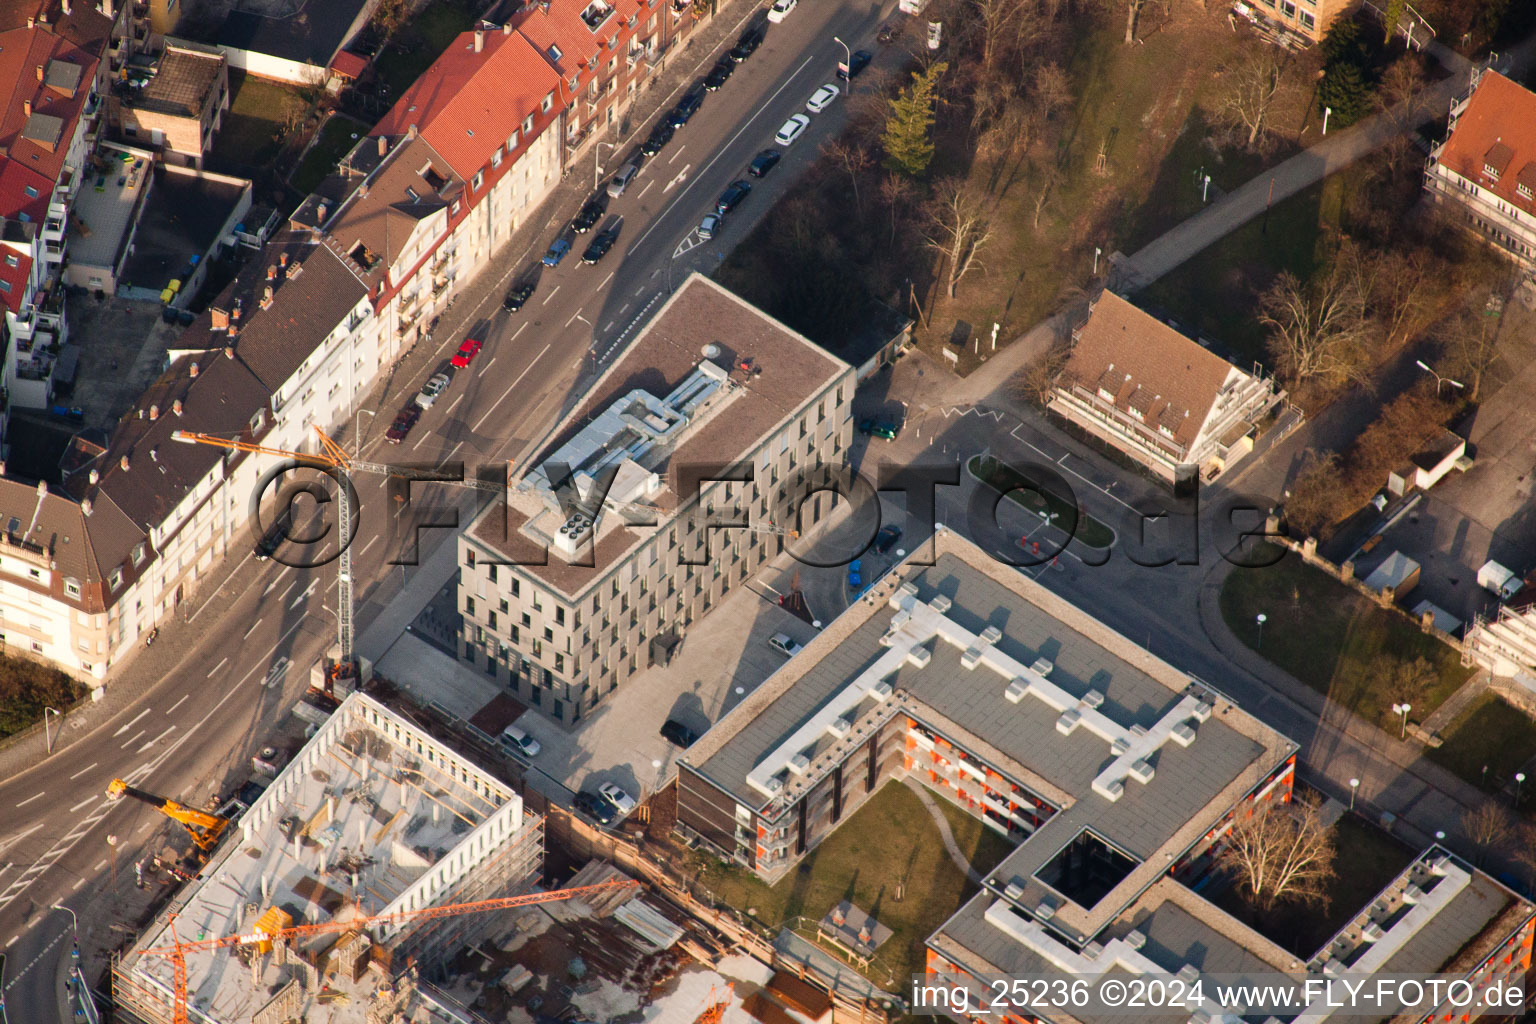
(687, 106)
(749, 41)
(659, 137)
(719, 73)
(600, 245)
(275, 536)
(517, 295)
(678, 734)
(887, 538)
(858, 62)
(764, 162)
(592, 806)
(732, 196)
(589, 215)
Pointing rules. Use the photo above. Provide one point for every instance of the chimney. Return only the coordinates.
(66, 7)
(124, 463)
(271, 271)
(192, 370)
(282, 264)
(412, 131)
(42, 489)
(94, 477)
(154, 455)
(39, 70)
(320, 213)
(479, 39)
(506, 29)
(229, 352)
(383, 147)
(266, 297)
(26, 108)
(154, 413)
(85, 506)
(176, 407)
(219, 318)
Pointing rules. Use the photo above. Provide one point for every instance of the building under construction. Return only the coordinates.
(373, 817)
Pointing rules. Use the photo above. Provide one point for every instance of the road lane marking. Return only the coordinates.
(424, 435)
(157, 739)
(82, 771)
(100, 864)
(285, 593)
(304, 596)
(551, 294)
(682, 176)
(678, 152)
(605, 281)
(178, 703)
(647, 188)
(275, 581)
(573, 319)
(130, 741)
(520, 330)
(222, 662)
(78, 884)
(455, 401)
(131, 724)
(29, 799)
(489, 362)
(251, 630)
(514, 384)
(84, 803)
(370, 543)
(641, 290)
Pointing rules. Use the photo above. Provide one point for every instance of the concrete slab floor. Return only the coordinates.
(122, 351)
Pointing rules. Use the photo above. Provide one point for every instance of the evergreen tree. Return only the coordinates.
(907, 141)
(1348, 80)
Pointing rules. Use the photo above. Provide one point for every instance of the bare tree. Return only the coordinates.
(996, 20)
(1313, 501)
(958, 228)
(1036, 381)
(854, 159)
(1399, 287)
(1250, 90)
(1132, 10)
(1488, 826)
(1409, 681)
(1317, 331)
(1281, 854)
(1045, 184)
(1470, 345)
(896, 192)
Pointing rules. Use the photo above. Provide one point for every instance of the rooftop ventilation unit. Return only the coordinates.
(940, 604)
(882, 690)
(574, 536)
(919, 656)
(1015, 890)
(1371, 932)
(971, 658)
(1110, 791)
(1068, 721)
(1135, 939)
(1142, 771)
(1203, 711)
(1440, 865)
(839, 727)
(1093, 951)
(1046, 910)
(907, 589)
(1183, 734)
(799, 764)
(1412, 893)
(1120, 746)
(1093, 699)
(1189, 974)
(1016, 690)
(991, 635)
(1042, 666)
(1138, 731)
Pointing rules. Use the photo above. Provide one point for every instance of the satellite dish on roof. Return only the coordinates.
(711, 351)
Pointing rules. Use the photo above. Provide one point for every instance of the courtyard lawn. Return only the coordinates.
(336, 140)
(1006, 479)
(1334, 639)
(1494, 733)
(889, 859)
(251, 136)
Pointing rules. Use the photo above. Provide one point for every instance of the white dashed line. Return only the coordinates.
(130, 725)
(178, 703)
(82, 771)
(84, 803)
(551, 294)
(29, 799)
(248, 632)
(222, 662)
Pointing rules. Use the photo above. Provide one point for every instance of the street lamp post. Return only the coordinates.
(848, 57)
(1096, 252)
(1326, 112)
(597, 170)
(1439, 380)
(48, 736)
(1402, 709)
(1519, 784)
(357, 432)
(1260, 618)
(1354, 787)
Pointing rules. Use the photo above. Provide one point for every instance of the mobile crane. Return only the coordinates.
(204, 828)
(178, 950)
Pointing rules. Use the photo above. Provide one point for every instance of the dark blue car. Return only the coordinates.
(855, 578)
(557, 250)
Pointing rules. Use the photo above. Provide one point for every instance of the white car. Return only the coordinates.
(621, 801)
(792, 130)
(822, 98)
(780, 10)
(517, 741)
(434, 387)
(785, 644)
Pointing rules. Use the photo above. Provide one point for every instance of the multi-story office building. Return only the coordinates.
(565, 593)
(1172, 405)
(1484, 173)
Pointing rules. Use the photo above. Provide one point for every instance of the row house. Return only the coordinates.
(566, 590)
(1165, 401)
(1484, 173)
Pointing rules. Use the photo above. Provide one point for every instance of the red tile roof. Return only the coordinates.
(562, 37)
(14, 290)
(349, 64)
(467, 104)
(25, 56)
(1498, 127)
(15, 197)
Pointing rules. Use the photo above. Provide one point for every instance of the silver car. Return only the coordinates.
(785, 644)
(434, 387)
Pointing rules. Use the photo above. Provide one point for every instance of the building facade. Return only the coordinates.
(601, 558)
(1484, 173)
(176, 104)
(1308, 19)
(1172, 405)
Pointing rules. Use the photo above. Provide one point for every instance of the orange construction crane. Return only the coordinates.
(715, 1008)
(177, 953)
(204, 828)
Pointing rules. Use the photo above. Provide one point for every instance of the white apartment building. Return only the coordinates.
(1485, 170)
(565, 591)
(1162, 399)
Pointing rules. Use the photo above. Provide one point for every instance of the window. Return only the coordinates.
(496, 157)
(512, 142)
(31, 191)
(469, 606)
(554, 52)
(1307, 20)
(115, 580)
(528, 125)
(1490, 172)
(1287, 8)
(1524, 191)
(72, 588)
(12, 260)
(478, 181)
(5, 285)
(549, 102)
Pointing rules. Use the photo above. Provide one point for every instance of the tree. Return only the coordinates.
(958, 228)
(1469, 342)
(389, 16)
(1525, 853)
(1488, 826)
(853, 159)
(1132, 9)
(1391, 16)
(1314, 496)
(896, 193)
(1317, 332)
(1035, 382)
(1409, 681)
(907, 141)
(1251, 88)
(1346, 86)
(1280, 854)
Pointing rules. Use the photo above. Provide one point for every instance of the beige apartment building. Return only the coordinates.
(598, 563)
(1309, 19)
(179, 106)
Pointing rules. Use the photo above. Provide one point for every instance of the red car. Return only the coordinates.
(467, 352)
(404, 421)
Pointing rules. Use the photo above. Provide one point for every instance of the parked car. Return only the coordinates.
(405, 419)
(687, 106)
(678, 734)
(858, 62)
(792, 130)
(855, 574)
(468, 349)
(710, 226)
(594, 808)
(274, 537)
(785, 644)
(731, 198)
(557, 250)
(659, 137)
(517, 741)
(879, 428)
(622, 802)
(822, 98)
(781, 9)
(719, 73)
(517, 296)
(747, 43)
(431, 389)
(590, 214)
(887, 538)
(764, 162)
(600, 245)
(621, 181)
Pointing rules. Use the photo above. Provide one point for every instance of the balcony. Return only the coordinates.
(597, 12)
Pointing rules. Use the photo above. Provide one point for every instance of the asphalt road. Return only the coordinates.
(203, 703)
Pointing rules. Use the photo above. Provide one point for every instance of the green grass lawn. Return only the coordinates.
(889, 846)
(1367, 859)
(336, 139)
(251, 132)
(1491, 732)
(1333, 639)
(1006, 479)
(420, 43)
